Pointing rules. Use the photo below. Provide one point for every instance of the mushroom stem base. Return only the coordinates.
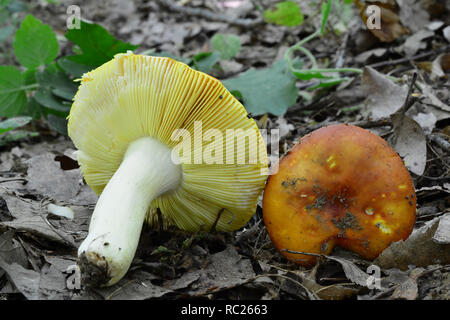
(146, 172)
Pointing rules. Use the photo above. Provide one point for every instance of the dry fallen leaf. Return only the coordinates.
(412, 14)
(391, 28)
(225, 269)
(135, 286)
(442, 235)
(410, 143)
(415, 42)
(384, 97)
(46, 177)
(420, 249)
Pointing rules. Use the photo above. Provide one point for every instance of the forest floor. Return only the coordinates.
(39, 248)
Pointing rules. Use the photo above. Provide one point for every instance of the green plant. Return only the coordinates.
(43, 87)
(285, 13)
(273, 90)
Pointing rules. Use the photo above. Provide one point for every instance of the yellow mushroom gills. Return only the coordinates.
(122, 122)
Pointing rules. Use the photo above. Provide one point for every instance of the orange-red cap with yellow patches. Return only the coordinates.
(340, 185)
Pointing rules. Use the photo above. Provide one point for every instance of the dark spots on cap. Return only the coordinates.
(291, 182)
(347, 222)
(319, 203)
(106, 244)
(365, 244)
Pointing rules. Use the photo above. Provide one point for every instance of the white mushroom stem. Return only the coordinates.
(146, 172)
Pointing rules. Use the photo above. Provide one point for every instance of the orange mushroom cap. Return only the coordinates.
(339, 185)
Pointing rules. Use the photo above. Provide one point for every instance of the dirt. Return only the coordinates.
(173, 264)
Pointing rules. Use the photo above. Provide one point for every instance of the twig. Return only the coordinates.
(441, 142)
(66, 241)
(207, 14)
(213, 227)
(13, 179)
(437, 154)
(341, 52)
(118, 289)
(409, 100)
(408, 59)
(310, 294)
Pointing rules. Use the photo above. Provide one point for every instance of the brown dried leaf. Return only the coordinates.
(410, 142)
(225, 269)
(419, 249)
(391, 27)
(384, 97)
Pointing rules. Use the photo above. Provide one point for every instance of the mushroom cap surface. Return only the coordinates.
(339, 185)
(135, 96)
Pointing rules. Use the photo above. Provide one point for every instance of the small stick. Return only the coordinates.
(402, 60)
(409, 100)
(160, 219)
(441, 142)
(213, 227)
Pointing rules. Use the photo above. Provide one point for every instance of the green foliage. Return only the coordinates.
(286, 13)
(326, 8)
(96, 43)
(74, 69)
(12, 97)
(46, 87)
(35, 43)
(205, 61)
(13, 123)
(326, 76)
(343, 15)
(228, 45)
(271, 90)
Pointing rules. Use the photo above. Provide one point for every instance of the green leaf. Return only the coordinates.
(326, 8)
(16, 135)
(287, 13)
(268, 90)
(62, 86)
(35, 43)
(227, 44)
(33, 109)
(13, 123)
(46, 98)
(74, 69)
(96, 43)
(204, 61)
(12, 93)
(29, 76)
(308, 74)
(58, 124)
(58, 83)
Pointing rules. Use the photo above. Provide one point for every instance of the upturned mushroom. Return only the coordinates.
(124, 123)
(340, 185)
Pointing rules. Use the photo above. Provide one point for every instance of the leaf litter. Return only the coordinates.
(37, 248)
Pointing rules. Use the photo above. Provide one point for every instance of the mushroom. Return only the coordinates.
(340, 185)
(126, 121)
